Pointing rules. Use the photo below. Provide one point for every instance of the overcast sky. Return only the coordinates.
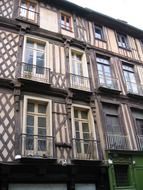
(127, 10)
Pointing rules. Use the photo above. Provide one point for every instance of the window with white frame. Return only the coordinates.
(77, 63)
(34, 56)
(28, 10)
(84, 139)
(130, 78)
(78, 70)
(36, 135)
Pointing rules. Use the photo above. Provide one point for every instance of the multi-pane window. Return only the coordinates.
(34, 56)
(66, 22)
(77, 64)
(36, 126)
(104, 72)
(115, 133)
(138, 120)
(130, 79)
(122, 40)
(28, 10)
(122, 175)
(99, 32)
(82, 130)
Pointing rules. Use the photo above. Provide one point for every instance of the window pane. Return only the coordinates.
(41, 145)
(30, 130)
(41, 122)
(29, 56)
(121, 175)
(85, 127)
(42, 108)
(30, 120)
(139, 125)
(84, 114)
(30, 107)
(76, 126)
(75, 113)
(86, 136)
(40, 62)
(41, 132)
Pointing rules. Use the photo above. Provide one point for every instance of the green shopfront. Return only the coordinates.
(125, 170)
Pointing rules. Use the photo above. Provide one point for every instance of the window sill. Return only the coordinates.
(27, 20)
(66, 29)
(102, 40)
(127, 48)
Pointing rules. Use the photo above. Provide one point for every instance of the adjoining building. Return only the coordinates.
(71, 98)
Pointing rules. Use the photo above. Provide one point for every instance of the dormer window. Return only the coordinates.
(28, 11)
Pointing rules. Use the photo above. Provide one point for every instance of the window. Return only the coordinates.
(122, 175)
(114, 130)
(77, 65)
(122, 40)
(99, 32)
(79, 73)
(34, 57)
(36, 127)
(104, 73)
(28, 10)
(138, 119)
(83, 134)
(66, 22)
(130, 79)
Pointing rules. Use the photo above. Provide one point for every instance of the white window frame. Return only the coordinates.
(90, 123)
(49, 119)
(46, 62)
(35, 20)
(83, 60)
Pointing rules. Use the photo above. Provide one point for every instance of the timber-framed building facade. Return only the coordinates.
(71, 98)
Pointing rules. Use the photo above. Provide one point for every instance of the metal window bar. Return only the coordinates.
(36, 14)
(134, 88)
(79, 82)
(37, 146)
(140, 142)
(84, 149)
(117, 142)
(33, 72)
(108, 82)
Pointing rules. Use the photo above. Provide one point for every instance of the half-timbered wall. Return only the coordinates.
(61, 131)
(7, 125)
(82, 29)
(6, 8)
(8, 54)
(57, 66)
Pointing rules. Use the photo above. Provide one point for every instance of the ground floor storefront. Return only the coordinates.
(125, 170)
(48, 175)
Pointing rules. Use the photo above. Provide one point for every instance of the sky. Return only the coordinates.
(130, 11)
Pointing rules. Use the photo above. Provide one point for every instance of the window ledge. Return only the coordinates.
(19, 18)
(67, 29)
(102, 40)
(127, 48)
